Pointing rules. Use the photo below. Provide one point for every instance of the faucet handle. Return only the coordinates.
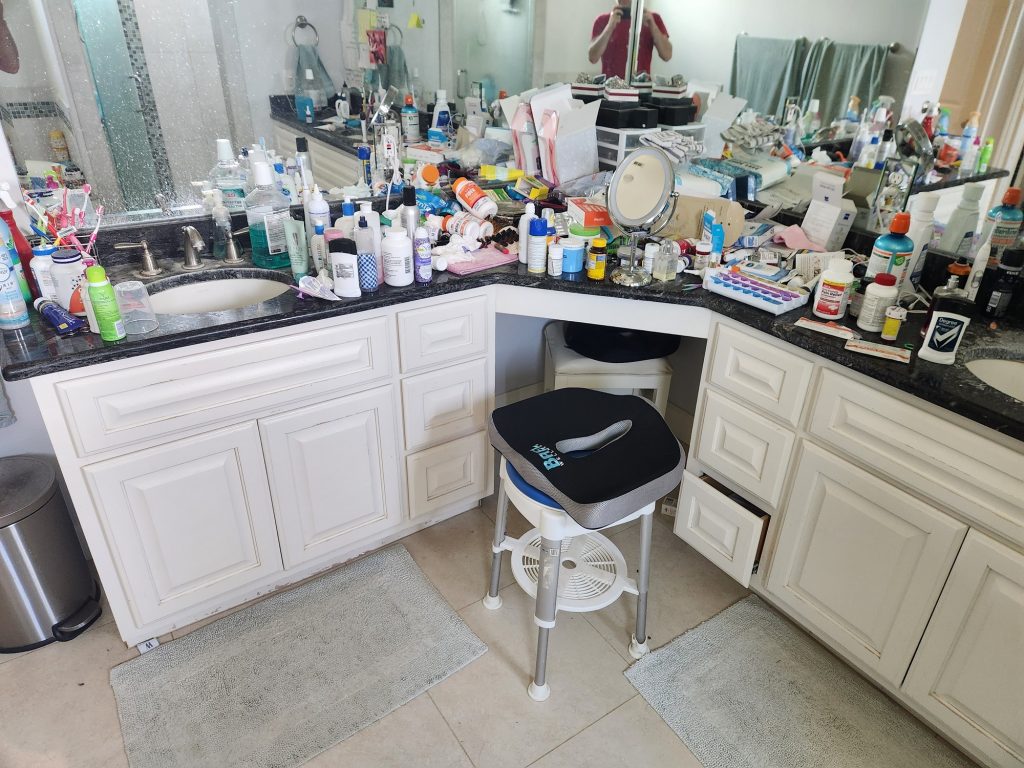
(149, 265)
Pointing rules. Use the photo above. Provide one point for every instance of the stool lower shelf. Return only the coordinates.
(592, 571)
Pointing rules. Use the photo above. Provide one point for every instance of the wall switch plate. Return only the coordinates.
(148, 645)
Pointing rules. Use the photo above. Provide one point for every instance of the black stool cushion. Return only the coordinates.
(600, 456)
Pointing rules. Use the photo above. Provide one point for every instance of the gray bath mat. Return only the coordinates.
(747, 689)
(287, 678)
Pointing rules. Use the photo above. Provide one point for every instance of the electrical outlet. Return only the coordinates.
(148, 645)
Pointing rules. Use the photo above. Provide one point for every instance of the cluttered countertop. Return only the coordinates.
(37, 350)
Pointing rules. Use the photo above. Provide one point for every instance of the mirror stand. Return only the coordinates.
(632, 274)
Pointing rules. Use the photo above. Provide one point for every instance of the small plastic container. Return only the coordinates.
(597, 259)
(833, 291)
(473, 199)
(878, 297)
(537, 250)
(136, 309)
(555, 258)
(573, 250)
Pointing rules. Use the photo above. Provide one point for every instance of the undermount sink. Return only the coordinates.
(1005, 375)
(215, 291)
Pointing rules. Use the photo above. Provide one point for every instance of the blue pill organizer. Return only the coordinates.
(763, 294)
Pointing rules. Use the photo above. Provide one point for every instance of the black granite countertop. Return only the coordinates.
(282, 109)
(37, 350)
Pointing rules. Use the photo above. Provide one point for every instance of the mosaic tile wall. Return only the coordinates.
(154, 133)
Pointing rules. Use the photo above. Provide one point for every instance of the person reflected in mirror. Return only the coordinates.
(609, 40)
(8, 48)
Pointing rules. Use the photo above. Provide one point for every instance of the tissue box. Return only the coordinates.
(587, 213)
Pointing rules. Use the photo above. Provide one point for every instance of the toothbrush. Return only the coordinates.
(92, 237)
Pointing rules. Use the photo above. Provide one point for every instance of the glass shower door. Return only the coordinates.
(493, 46)
(117, 97)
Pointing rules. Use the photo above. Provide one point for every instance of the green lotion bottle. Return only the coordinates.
(104, 305)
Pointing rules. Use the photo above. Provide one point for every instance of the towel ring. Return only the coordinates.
(301, 22)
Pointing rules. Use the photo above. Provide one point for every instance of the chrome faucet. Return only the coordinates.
(161, 200)
(194, 246)
(149, 265)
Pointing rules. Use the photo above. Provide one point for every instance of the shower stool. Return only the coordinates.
(575, 462)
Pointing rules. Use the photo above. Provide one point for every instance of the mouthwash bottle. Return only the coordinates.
(266, 210)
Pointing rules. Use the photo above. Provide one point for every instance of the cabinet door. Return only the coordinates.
(188, 521)
(969, 671)
(861, 561)
(333, 473)
(449, 473)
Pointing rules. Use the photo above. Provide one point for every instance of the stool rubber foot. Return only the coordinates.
(539, 692)
(492, 603)
(638, 650)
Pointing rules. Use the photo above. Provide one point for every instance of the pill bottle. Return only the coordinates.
(878, 297)
(833, 292)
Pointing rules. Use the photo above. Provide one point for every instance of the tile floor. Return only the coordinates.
(57, 708)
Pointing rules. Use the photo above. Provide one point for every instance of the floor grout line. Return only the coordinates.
(451, 730)
(581, 730)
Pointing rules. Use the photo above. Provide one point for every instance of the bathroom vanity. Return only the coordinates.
(217, 463)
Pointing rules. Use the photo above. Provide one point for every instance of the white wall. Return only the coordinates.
(703, 34)
(32, 81)
(938, 39)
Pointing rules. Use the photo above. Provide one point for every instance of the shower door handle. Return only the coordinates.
(138, 91)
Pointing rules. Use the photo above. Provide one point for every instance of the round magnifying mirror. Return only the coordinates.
(637, 196)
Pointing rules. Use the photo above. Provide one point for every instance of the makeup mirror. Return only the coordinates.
(638, 196)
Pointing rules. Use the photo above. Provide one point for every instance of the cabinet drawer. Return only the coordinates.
(148, 401)
(444, 404)
(448, 473)
(760, 374)
(946, 463)
(443, 332)
(727, 532)
(745, 447)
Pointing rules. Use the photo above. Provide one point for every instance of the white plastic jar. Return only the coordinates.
(40, 266)
(878, 297)
(396, 251)
(68, 273)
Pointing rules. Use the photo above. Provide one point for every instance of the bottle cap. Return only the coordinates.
(430, 174)
(1012, 196)
(598, 242)
(261, 174)
(926, 202)
(45, 251)
(362, 223)
(555, 251)
(539, 228)
(973, 191)
(1012, 258)
(279, 167)
(318, 229)
(408, 100)
(342, 245)
(347, 207)
(442, 95)
(409, 196)
(395, 232)
(96, 274)
(421, 233)
(885, 278)
(900, 223)
(531, 209)
(887, 134)
(363, 152)
(301, 144)
(224, 152)
(874, 140)
(841, 265)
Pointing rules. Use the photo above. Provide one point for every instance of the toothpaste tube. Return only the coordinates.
(62, 321)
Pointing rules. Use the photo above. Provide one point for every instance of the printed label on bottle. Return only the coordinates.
(964, 246)
(831, 298)
(277, 236)
(233, 197)
(946, 333)
(470, 194)
(367, 271)
(1004, 234)
(344, 271)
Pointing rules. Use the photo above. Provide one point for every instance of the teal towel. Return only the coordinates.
(835, 71)
(766, 71)
(309, 59)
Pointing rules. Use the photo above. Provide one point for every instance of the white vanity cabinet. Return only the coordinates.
(332, 167)
(861, 561)
(189, 520)
(968, 673)
(332, 478)
(206, 476)
(895, 531)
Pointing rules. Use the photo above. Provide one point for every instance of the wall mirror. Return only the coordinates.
(132, 94)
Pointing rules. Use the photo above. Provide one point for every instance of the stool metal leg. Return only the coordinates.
(544, 617)
(493, 600)
(638, 647)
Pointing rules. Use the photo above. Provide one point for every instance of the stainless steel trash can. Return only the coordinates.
(46, 590)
